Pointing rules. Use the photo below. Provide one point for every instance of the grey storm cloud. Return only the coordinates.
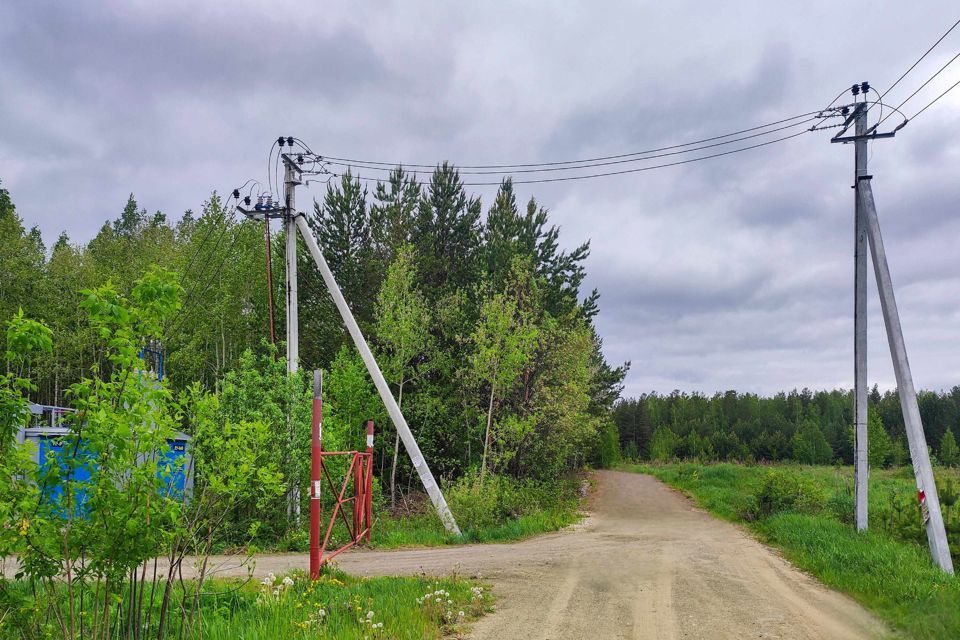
(730, 273)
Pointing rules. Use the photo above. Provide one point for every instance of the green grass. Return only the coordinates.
(885, 569)
(336, 606)
(426, 529)
(500, 510)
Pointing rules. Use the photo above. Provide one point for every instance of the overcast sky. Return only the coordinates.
(733, 273)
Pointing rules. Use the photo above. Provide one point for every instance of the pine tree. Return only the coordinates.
(393, 214)
(447, 235)
(879, 446)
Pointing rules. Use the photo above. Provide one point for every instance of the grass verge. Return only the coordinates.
(884, 569)
(499, 510)
(337, 606)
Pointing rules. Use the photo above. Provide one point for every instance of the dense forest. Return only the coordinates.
(478, 321)
(804, 426)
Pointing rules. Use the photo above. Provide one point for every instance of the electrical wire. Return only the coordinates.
(920, 59)
(607, 173)
(580, 161)
(184, 314)
(189, 300)
(920, 88)
(931, 103)
(203, 241)
(597, 164)
(270, 167)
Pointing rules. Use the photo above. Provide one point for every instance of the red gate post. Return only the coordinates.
(368, 503)
(357, 496)
(316, 452)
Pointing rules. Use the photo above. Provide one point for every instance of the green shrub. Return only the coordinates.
(841, 505)
(499, 499)
(785, 491)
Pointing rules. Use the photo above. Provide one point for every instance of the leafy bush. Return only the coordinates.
(841, 505)
(499, 499)
(785, 491)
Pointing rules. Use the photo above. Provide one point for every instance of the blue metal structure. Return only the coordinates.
(51, 446)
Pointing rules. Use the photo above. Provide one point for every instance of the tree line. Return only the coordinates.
(479, 321)
(813, 427)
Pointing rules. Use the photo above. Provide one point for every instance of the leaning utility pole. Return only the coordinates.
(409, 442)
(867, 217)
(293, 173)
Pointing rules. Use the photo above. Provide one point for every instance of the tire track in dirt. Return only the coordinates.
(646, 565)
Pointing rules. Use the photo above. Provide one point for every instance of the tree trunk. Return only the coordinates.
(486, 437)
(396, 451)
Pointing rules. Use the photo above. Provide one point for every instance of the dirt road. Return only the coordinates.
(646, 565)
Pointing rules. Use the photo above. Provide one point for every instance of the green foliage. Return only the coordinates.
(402, 319)
(664, 445)
(783, 491)
(503, 341)
(809, 445)
(899, 455)
(879, 446)
(764, 428)
(431, 285)
(91, 541)
(337, 605)
(499, 509)
(949, 453)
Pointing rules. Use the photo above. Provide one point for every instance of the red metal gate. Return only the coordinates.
(360, 504)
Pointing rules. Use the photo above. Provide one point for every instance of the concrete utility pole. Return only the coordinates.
(867, 222)
(291, 178)
(409, 442)
(861, 467)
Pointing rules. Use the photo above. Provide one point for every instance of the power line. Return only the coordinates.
(608, 173)
(931, 103)
(598, 164)
(920, 59)
(920, 88)
(189, 300)
(201, 243)
(183, 314)
(580, 161)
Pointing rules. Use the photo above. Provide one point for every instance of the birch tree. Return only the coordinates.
(503, 341)
(403, 322)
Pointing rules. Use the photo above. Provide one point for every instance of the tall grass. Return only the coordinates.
(500, 509)
(336, 606)
(885, 569)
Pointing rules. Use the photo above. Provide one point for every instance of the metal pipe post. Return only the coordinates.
(316, 449)
(368, 503)
(861, 459)
(922, 470)
(409, 442)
